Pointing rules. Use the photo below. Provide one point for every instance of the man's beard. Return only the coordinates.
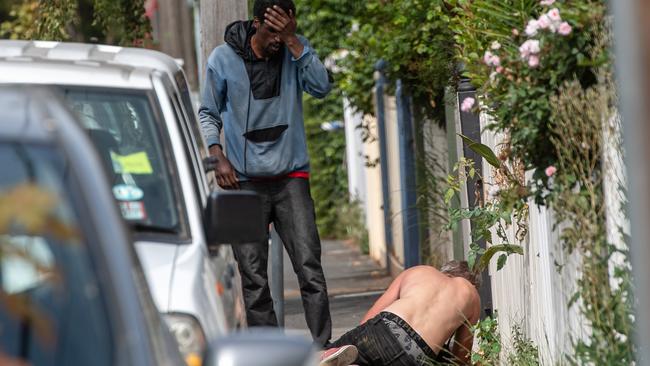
(272, 49)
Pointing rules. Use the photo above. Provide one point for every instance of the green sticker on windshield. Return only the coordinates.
(137, 163)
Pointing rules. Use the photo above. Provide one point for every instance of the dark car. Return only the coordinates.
(71, 289)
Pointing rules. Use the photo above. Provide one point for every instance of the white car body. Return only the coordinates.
(184, 277)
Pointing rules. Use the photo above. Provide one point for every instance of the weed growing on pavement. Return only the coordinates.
(353, 226)
(488, 342)
(524, 352)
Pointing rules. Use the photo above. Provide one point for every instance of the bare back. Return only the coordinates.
(435, 305)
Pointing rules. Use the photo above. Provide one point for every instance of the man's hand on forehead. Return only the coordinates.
(281, 22)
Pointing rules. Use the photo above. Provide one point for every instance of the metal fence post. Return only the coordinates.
(277, 276)
(452, 154)
(410, 217)
(632, 47)
(471, 127)
(380, 85)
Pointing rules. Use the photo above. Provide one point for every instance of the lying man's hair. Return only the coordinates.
(461, 269)
(260, 7)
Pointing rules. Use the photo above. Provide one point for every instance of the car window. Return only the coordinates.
(194, 125)
(52, 311)
(122, 126)
(195, 166)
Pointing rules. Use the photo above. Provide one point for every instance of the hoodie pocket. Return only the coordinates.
(266, 134)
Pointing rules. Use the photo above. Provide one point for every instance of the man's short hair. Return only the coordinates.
(461, 269)
(259, 8)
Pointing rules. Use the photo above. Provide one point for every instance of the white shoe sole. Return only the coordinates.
(342, 357)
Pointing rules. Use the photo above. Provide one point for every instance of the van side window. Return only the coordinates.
(123, 128)
(195, 127)
(190, 149)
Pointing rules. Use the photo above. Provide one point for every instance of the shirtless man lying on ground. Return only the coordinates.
(412, 322)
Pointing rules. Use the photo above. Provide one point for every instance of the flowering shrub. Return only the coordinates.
(526, 55)
(550, 92)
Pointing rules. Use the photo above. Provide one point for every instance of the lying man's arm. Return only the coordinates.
(462, 346)
(464, 338)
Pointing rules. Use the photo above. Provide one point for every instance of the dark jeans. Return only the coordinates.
(376, 344)
(289, 206)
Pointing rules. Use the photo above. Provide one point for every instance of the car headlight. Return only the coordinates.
(189, 336)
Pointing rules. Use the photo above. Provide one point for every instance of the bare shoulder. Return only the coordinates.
(421, 270)
(468, 292)
(420, 273)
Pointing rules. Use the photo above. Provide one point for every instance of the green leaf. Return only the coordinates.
(471, 259)
(501, 261)
(483, 150)
(484, 261)
(449, 195)
(573, 299)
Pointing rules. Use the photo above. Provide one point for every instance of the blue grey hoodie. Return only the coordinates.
(258, 103)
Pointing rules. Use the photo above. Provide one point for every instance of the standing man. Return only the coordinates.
(253, 93)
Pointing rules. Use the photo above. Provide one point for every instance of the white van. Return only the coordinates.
(135, 106)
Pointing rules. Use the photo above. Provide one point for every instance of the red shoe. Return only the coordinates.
(340, 356)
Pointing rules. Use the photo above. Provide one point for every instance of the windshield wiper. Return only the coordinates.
(138, 226)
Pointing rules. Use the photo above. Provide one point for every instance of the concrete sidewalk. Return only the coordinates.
(354, 282)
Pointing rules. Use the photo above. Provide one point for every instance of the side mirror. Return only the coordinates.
(261, 347)
(234, 217)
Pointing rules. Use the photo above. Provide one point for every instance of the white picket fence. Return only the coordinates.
(533, 290)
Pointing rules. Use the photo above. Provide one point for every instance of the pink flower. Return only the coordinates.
(532, 27)
(550, 170)
(487, 57)
(564, 29)
(499, 69)
(528, 48)
(533, 61)
(544, 21)
(554, 15)
(467, 104)
(546, 2)
(491, 59)
(533, 45)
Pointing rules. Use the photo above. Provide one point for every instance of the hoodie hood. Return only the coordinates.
(265, 75)
(238, 35)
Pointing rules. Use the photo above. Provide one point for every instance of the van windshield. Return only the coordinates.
(122, 126)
